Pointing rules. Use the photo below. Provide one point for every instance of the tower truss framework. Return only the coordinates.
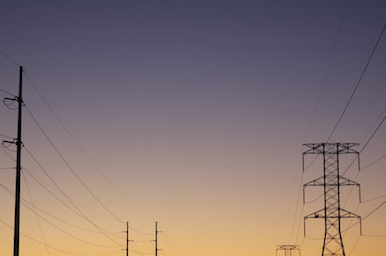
(288, 249)
(331, 181)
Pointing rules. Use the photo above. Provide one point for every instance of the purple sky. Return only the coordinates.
(196, 113)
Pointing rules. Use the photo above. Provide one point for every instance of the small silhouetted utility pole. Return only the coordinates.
(156, 239)
(127, 239)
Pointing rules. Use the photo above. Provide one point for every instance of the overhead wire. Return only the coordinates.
(376, 209)
(24, 203)
(328, 66)
(55, 217)
(36, 215)
(359, 81)
(378, 159)
(355, 245)
(137, 249)
(87, 156)
(353, 93)
(57, 249)
(313, 200)
(296, 212)
(7, 92)
(139, 232)
(41, 183)
(312, 118)
(82, 214)
(77, 211)
(368, 215)
(83, 151)
(8, 137)
(373, 199)
(9, 58)
(356, 157)
(141, 253)
(167, 243)
(70, 168)
(33, 209)
(375, 161)
(4, 152)
(368, 141)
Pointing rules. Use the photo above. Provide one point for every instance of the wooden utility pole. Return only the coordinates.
(18, 169)
(156, 242)
(127, 238)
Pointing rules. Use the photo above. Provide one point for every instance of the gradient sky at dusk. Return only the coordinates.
(191, 114)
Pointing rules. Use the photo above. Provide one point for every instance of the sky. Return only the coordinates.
(191, 114)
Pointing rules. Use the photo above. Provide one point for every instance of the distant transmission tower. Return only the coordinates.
(331, 181)
(288, 249)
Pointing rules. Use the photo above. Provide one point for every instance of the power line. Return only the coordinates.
(356, 243)
(71, 169)
(372, 135)
(77, 211)
(14, 62)
(296, 210)
(368, 215)
(53, 216)
(84, 152)
(369, 200)
(6, 136)
(328, 67)
(34, 211)
(359, 81)
(167, 243)
(373, 162)
(311, 120)
(57, 249)
(8, 93)
(36, 178)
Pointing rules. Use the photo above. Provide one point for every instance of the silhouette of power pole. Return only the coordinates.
(288, 249)
(331, 181)
(127, 239)
(156, 239)
(18, 144)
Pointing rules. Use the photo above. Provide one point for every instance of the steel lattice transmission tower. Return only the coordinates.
(288, 249)
(331, 181)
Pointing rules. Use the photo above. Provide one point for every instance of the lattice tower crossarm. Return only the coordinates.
(331, 181)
